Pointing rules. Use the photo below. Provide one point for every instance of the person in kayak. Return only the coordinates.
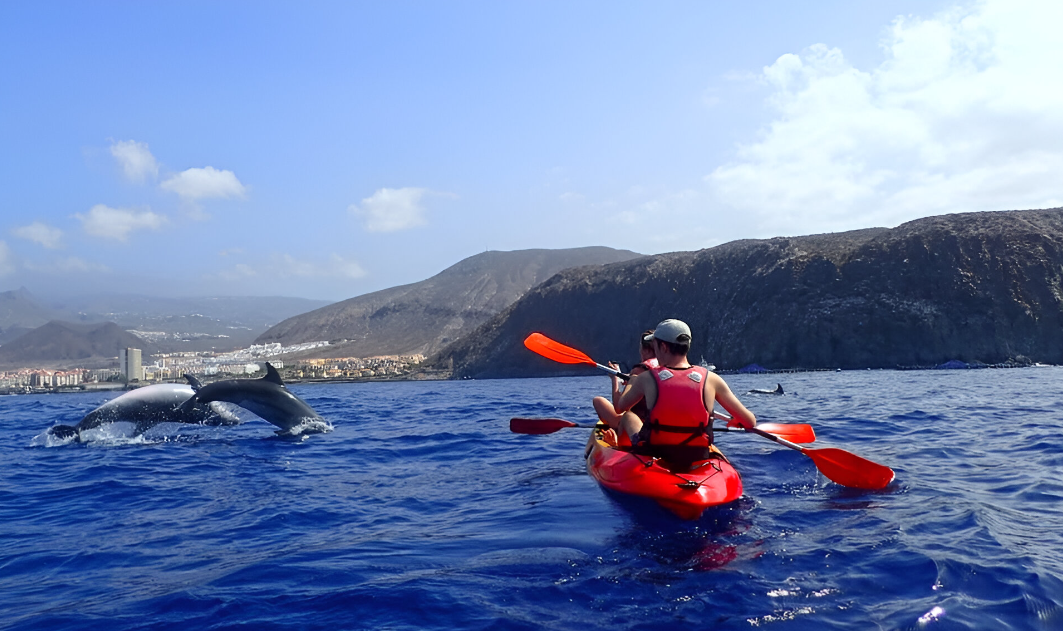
(606, 409)
(679, 396)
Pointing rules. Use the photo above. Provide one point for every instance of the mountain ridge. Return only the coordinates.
(423, 317)
(971, 286)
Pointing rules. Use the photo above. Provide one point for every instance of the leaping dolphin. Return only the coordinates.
(777, 390)
(194, 403)
(147, 407)
(266, 397)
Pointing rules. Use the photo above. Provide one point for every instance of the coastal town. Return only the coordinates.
(130, 370)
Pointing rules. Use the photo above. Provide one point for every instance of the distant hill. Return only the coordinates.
(21, 312)
(977, 287)
(61, 344)
(203, 323)
(423, 317)
(172, 324)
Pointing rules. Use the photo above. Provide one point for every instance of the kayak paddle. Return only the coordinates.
(840, 466)
(542, 345)
(793, 432)
(550, 349)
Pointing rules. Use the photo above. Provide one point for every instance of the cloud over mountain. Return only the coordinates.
(40, 233)
(117, 223)
(205, 183)
(959, 116)
(392, 209)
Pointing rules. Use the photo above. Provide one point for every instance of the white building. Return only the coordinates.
(129, 364)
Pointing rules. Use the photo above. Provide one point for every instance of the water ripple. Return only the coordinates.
(421, 511)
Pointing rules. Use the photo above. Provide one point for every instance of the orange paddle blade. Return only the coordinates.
(542, 345)
(850, 470)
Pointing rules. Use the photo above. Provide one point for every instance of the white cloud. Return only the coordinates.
(240, 271)
(392, 209)
(68, 265)
(41, 234)
(118, 223)
(343, 268)
(205, 183)
(135, 159)
(335, 267)
(7, 263)
(964, 114)
(288, 266)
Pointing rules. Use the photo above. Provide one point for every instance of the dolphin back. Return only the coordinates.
(267, 398)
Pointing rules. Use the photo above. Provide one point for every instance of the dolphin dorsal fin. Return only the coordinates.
(192, 381)
(778, 388)
(272, 375)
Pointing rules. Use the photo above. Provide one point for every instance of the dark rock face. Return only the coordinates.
(425, 316)
(978, 287)
(58, 343)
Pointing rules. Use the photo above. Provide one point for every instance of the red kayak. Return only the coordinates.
(687, 492)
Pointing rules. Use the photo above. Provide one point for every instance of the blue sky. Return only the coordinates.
(330, 149)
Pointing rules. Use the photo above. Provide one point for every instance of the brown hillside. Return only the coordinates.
(425, 316)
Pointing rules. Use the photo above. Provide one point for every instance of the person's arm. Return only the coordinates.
(635, 392)
(616, 387)
(740, 416)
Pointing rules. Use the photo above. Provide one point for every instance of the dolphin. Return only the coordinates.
(266, 397)
(147, 407)
(777, 390)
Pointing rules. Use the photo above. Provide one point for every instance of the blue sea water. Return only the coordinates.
(421, 511)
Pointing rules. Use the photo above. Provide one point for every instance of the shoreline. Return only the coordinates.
(439, 376)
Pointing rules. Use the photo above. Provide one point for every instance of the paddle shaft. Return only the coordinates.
(773, 437)
(798, 432)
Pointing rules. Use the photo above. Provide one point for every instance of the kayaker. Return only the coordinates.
(606, 409)
(680, 396)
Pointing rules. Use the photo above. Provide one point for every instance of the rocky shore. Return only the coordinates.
(974, 287)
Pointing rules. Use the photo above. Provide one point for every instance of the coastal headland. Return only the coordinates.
(961, 290)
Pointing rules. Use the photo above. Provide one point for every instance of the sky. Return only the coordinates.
(330, 149)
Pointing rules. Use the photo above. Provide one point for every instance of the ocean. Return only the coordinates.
(420, 510)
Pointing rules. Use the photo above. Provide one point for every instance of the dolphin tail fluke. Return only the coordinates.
(778, 389)
(272, 375)
(64, 431)
(192, 381)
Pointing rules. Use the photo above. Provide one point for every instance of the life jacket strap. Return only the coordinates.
(700, 430)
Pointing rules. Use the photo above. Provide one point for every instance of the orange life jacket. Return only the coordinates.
(679, 416)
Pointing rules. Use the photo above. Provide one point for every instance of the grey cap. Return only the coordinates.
(673, 331)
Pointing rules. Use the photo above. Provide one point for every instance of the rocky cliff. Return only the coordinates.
(425, 316)
(978, 287)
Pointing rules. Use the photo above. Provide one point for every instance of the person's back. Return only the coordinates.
(688, 394)
(680, 415)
